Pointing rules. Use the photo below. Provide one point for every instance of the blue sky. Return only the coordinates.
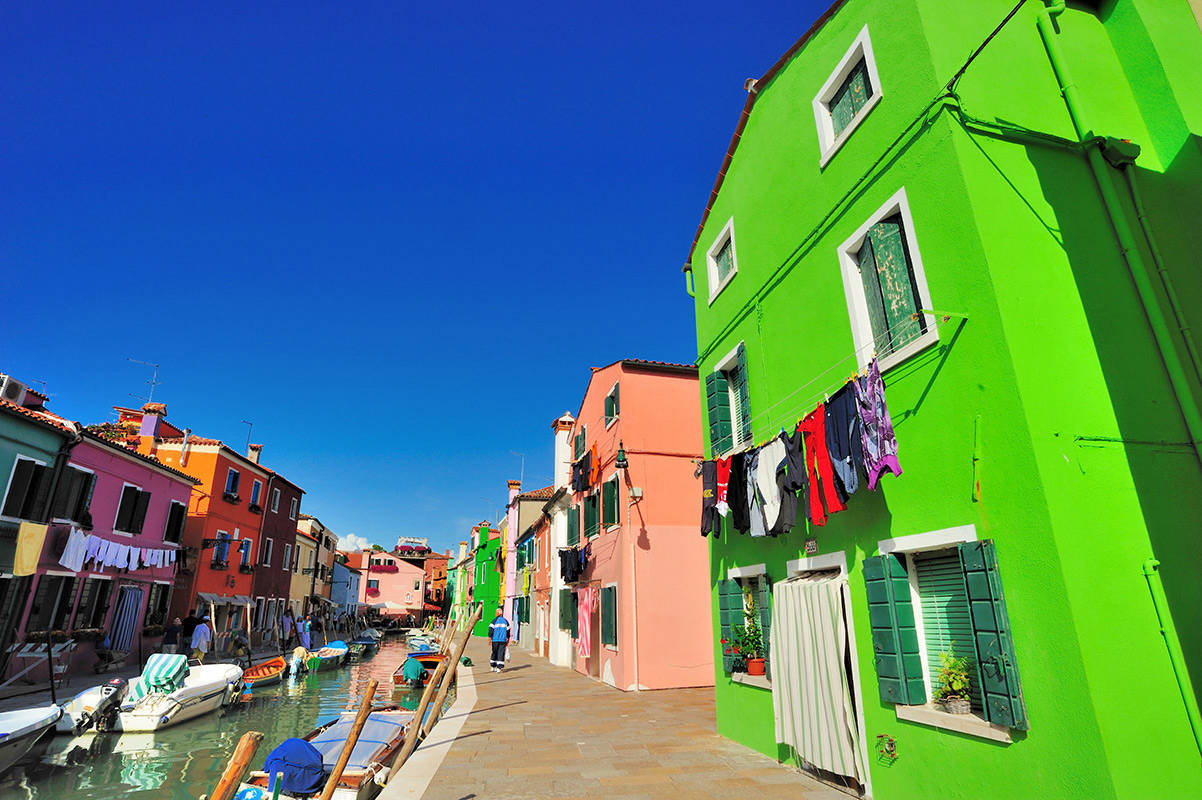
(395, 236)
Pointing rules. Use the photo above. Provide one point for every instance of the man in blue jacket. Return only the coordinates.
(498, 632)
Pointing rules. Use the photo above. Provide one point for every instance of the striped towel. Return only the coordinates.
(164, 673)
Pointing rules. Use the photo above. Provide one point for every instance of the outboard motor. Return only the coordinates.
(111, 695)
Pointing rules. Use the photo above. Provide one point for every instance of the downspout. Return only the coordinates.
(689, 285)
(634, 591)
(60, 466)
(1176, 656)
(1118, 221)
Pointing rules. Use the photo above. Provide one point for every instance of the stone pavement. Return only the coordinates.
(539, 731)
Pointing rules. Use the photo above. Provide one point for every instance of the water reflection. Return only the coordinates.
(186, 760)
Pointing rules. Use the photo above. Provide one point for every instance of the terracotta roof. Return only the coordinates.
(192, 440)
(754, 91)
(40, 417)
(538, 494)
(36, 393)
(135, 454)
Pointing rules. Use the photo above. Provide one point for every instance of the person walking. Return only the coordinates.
(289, 629)
(171, 637)
(302, 628)
(498, 633)
(186, 629)
(202, 639)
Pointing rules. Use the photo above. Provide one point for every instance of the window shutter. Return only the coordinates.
(894, 637)
(609, 408)
(125, 511)
(763, 602)
(574, 606)
(872, 296)
(67, 497)
(897, 289)
(851, 96)
(730, 613)
(609, 502)
(23, 474)
(140, 511)
(565, 605)
(744, 395)
(617, 405)
(573, 525)
(946, 624)
(590, 515)
(609, 615)
(717, 401)
(37, 504)
(996, 663)
(85, 500)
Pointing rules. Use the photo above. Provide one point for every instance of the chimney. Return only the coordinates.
(515, 488)
(253, 452)
(153, 415)
(563, 449)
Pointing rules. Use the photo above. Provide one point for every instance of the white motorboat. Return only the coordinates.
(21, 730)
(96, 706)
(165, 695)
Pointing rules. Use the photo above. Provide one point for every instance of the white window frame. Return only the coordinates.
(828, 142)
(59, 520)
(256, 489)
(293, 508)
(612, 421)
(275, 500)
(287, 557)
(726, 364)
(117, 512)
(853, 287)
(248, 546)
(711, 260)
(232, 471)
(268, 545)
(229, 541)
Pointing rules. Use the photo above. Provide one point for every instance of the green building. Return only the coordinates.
(999, 206)
(486, 578)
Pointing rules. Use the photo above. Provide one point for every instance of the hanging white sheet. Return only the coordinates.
(811, 693)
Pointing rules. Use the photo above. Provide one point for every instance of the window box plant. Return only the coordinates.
(246, 569)
(953, 691)
(748, 639)
(39, 637)
(373, 592)
(88, 634)
(220, 564)
(231, 497)
(255, 508)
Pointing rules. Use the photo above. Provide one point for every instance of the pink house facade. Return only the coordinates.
(387, 579)
(638, 615)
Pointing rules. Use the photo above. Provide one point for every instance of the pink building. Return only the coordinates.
(390, 581)
(638, 615)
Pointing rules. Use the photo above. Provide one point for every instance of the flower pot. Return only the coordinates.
(957, 705)
(755, 666)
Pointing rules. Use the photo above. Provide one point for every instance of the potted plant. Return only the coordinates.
(749, 639)
(953, 682)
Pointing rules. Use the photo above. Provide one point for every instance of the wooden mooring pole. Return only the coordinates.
(231, 779)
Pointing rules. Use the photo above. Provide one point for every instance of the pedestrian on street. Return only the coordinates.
(171, 636)
(186, 629)
(498, 631)
(289, 629)
(302, 627)
(202, 639)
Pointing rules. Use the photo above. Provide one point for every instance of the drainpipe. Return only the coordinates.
(689, 286)
(60, 466)
(1127, 244)
(634, 591)
(1176, 656)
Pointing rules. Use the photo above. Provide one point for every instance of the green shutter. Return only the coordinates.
(578, 444)
(717, 401)
(997, 666)
(896, 288)
(850, 97)
(744, 395)
(617, 405)
(894, 638)
(730, 613)
(590, 515)
(763, 602)
(609, 615)
(609, 408)
(565, 604)
(609, 502)
(946, 625)
(573, 525)
(723, 260)
(866, 261)
(574, 606)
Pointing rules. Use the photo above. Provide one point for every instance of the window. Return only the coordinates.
(609, 502)
(373, 583)
(567, 611)
(573, 525)
(265, 551)
(158, 601)
(934, 592)
(287, 557)
(93, 603)
(74, 496)
(244, 551)
(609, 616)
(886, 287)
(611, 406)
(131, 512)
(275, 500)
(52, 602)
(843, 102)
(256, 489)
(176, 517)
(417, 584)
(232, 478)
(312, 558)
(260, 609)
(578, 444)
(221, 552)
(728, 403)
(592, 522)
(737, 597)
(721, 261)
(28, 488)
(293, 508)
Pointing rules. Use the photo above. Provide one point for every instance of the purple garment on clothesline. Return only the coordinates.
(876, 427)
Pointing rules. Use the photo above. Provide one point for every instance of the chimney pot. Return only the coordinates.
(158, 409)
(254, 450)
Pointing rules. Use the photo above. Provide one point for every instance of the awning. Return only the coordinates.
(322, 599)
(432, 607)
(241, 600)
(212, 599)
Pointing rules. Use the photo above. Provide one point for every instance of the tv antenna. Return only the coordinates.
(522, 474)
(154, 381)
(250, 427)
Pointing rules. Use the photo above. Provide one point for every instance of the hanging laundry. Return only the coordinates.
(786, 517)
(171, 556)
(736, 496)
(755, 503)
(594, 469)
(818, 467)
(30, 538)
(584, 612)
(711, 522)
(121, 561)
(771, 457)
(94, 543)
(76, 550)
(575, 480)
(876, 432)
(795, 485)
(135, 553)
(843, 441)
(723, 483)
(104, 555)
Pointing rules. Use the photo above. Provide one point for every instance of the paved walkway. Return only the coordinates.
(539, 731)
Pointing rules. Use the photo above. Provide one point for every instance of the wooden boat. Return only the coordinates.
(428, 660)
(332, 656)
(266, 673)
(21, 730)
(164, 695)
(381, 739)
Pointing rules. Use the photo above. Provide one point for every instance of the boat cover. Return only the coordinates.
(381, 731)
(164, 673)
(301, 764)
(413, 670)
(15, 724)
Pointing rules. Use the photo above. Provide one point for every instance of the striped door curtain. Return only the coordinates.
(811, 693)
(584, 608)
(129, 603)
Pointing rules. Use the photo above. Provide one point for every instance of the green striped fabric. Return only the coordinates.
(946, 623)
(164, 673)
(811, 691)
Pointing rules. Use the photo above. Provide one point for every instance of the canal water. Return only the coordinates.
(186, 760)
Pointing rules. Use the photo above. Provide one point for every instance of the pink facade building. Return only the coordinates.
(396, 585)
(638, 614)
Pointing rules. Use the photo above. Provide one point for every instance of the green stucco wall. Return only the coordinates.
(487, 588)
(1085, 469)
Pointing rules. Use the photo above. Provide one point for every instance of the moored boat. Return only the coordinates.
(379, 742)
(21, 730)
(266, 673)
(96, 706)
(166, 695)
(332, 656)
(428, 660)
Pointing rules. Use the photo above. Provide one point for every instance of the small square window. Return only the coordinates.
(721, 260)
(231, 481)
(850, 92)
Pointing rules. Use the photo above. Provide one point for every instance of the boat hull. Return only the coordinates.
(205, 690)
(266, 674)
(14, 747)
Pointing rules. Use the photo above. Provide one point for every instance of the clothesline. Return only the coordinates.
(82, 548)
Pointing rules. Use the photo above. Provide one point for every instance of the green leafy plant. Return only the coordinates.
(747, 640)
(953, 676)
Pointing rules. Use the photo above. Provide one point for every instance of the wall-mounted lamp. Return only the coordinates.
(621, 462)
